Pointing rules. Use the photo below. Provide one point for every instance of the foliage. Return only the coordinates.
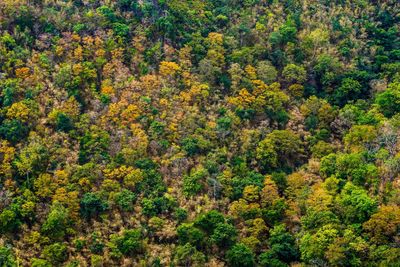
(199, 133)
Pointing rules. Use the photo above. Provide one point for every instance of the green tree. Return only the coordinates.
(188, 255)
(294, 74)
(7, 258)
(125, 199)
(349, 89)
(280, 148)
(388, 101)
(55, 253)
(354, 205)
(187, 233)
(240, 256)
(92, 205)
(56, 223)
(129, 243)
(224, 235)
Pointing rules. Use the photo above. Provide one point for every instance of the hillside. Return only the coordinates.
(199, 133)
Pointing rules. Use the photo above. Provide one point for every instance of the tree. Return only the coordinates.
(188, 255)
(7, 258)
(194, 183)
(188, 233)
(349, 89)
(388, 101)
(40, 263)
(383, 226)
(55, 253)
(13, 130)
(281, 246)
(56, 223)
(8, 221)
(129, 243)
(354, 205)
(240, 256)
(294, 74)
(209, 220)
(266, 72)
(314, 246)
(125, 199)
(92, 205)
(224, 235)
(280, 148)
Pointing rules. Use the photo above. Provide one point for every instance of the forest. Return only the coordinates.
(238, 133)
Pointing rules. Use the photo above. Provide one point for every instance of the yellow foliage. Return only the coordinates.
(296, 90)
(243, 100)
(22, 73)
(140, 137)
(8, 154)
(33, 238)
(107, 90)
(71, 107)
(251, 72)
(269, 193)
(163, 102)
(130, 114)
(133, 178)
(45, 185)
(78, 53)
(250, 193)
(76, 37)
(109, 185)
(100, 53)
(117, 173)
(216, 38)
(19, 111)
(168, 68)
(59, 50)
(150, 83)
(69, 199)
(77, 69)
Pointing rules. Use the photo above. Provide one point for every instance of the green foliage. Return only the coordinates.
(63, 123)
(233, 133)
(8, 221)
(188, 255)
(224, 235)
(125, 200)
(193, 183)
(129, 243)
(92, 205)
(280, 148)
(389, 100)
(188, 233)
(7, 258)
(348, 90)
(55, 253)
(294, 74)
(354, 204)
(13, 130)
(56, 223)
(40, 263)
(282, 248)
(240, 255)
